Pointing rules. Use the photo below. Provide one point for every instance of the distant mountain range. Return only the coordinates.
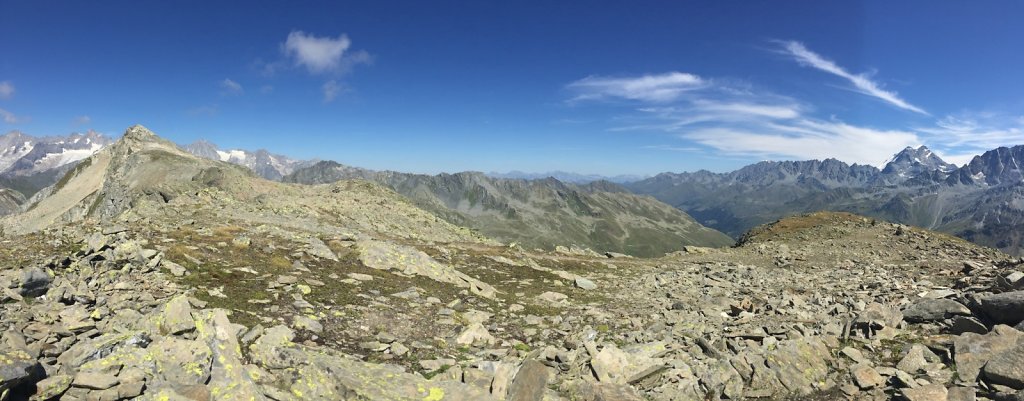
(264, 163)
(982, 201)
(572, 178)
(538, 213)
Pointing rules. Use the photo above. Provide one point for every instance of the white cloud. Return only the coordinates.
(11, 118)
(6, 90)
(807, 139)
(322, 54)
(958, 138)
(861, 82)
(331, 90)
(82, 120)
(647, 88)
(266, 89)
(230, 87)
(744, 121)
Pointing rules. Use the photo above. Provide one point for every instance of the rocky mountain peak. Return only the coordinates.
(139, 132)
(913, 161)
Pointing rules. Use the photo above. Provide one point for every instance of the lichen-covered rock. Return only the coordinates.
(323, 374)
(383, 255)
(176, 317)
(16, 367)
(181, 361)
(230, 379)
(52, 386)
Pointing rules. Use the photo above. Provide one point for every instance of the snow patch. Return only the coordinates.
(53, 160)
(234, 154)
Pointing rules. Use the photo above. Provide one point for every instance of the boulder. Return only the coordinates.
(931, 310)
(584, 283)
(177, 316)
(1007, 368)
(34, 282)
(929, 392)
(866, 377)
(612, 365)
(94, 380)
(475, 333)
(877, 317)
(1005, 308)
(16, 367)
(301, 322)
(53, 386)
(972, 351)
(530, 382)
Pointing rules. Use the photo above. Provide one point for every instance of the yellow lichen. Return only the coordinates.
(436, 394)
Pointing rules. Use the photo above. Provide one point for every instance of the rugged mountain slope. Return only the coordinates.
(979, 201)
(28, 164)
(539, 213)
(144, 177)
(265, 164)
(10, 201)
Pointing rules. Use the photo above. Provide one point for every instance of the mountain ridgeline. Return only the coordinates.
(981, 201)
(538, 213)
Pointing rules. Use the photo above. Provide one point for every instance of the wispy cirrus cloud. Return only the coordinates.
(230, 87)
(648, 88)
(6, 90)
(81, 120)
(806, 139)
(741, 120)
(322, 54)
(861, 82)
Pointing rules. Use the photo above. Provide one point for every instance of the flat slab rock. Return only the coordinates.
(972, 351)
(932, 310)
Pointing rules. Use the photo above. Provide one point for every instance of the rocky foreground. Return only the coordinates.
(817, 307)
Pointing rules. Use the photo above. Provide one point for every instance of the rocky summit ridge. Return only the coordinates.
(207, 282)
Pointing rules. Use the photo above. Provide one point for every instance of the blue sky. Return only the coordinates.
(617, 88)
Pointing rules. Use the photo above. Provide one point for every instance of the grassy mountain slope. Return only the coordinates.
(539, 213)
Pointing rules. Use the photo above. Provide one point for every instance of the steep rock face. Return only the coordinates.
(1000, 166)
(539, 213)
